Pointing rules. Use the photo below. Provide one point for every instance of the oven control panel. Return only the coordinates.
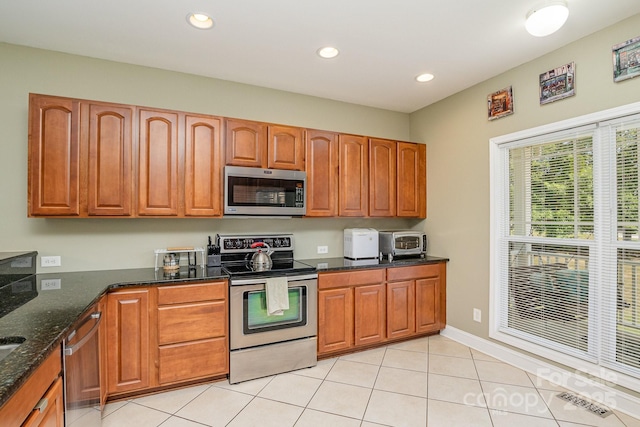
(240, 243)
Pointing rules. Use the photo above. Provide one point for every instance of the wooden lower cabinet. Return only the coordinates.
(428, 282)
(401, 309)
(166, 335)
(128, 350)
(39, 402)
(51, 414)
(192, 332)
(370, 315)
(335, 319)
(365, 308)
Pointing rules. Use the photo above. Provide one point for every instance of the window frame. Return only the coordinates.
(499, 219)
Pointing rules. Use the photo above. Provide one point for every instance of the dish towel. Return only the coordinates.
(277, 290)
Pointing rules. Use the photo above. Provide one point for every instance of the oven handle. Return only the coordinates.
(256, 281)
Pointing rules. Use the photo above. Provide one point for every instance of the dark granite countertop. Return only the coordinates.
(342, 264)
(48, 317)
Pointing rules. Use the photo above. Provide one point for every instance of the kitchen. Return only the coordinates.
(452, 232)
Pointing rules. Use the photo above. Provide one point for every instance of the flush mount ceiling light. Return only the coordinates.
(546, 19)
(328, 52)
(201, 21)
(426, 77)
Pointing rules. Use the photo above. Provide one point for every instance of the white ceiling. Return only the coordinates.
(273, 43)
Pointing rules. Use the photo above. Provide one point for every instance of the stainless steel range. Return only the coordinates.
(264, 342)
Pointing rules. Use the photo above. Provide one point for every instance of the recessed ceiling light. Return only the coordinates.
(547, 18)
(328, 52)
(426, 77)
(199, 20)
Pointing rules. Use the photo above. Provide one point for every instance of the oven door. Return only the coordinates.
(250, 325)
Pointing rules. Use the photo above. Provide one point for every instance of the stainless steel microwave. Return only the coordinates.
(264, 192)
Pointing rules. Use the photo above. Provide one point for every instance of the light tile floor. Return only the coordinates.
(432, 381)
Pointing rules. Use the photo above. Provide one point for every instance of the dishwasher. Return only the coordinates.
(82, 372)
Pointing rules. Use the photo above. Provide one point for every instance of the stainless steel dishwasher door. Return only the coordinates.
(82, 373)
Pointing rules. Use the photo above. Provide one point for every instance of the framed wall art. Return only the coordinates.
(626, 60)
(558, 83)
(500, 103)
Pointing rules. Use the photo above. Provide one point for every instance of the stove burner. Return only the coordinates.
(280, 267)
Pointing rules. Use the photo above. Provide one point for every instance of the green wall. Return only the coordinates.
(457, 133)
(89, 244)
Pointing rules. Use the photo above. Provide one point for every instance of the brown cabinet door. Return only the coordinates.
(382, 177)
(54, 156)
(246, 143)
(128, 341)
(110, 184)
(412, 180)
(370, 314)
(322, 173)
(158, 163)
(401, 313)
(335, 320)
(203, 160)
(428, 305)
(354, 174)
(285, 148)
(51, 415)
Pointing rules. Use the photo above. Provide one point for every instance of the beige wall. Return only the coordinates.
(89, 244)
(457, 133)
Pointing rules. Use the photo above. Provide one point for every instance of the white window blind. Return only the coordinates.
(566, 235)
(621, 265)
(548, 241)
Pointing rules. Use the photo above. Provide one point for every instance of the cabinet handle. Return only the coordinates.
(42, 404)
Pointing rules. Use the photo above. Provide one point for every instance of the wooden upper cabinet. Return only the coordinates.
(158, 163)
(110, 185)
(285, 148)
(203, 166)
(258, 145)
(382, 177)
(54, 156)
(322, 173)
(412, 180)
(354, 175)
(246, 143)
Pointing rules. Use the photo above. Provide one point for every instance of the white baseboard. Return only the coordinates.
(590, 389)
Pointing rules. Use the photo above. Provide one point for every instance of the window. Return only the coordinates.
(566, 242)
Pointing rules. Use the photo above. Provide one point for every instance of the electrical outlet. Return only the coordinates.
(50, 261)
(50, 284)
(477, 315)
(323, 249)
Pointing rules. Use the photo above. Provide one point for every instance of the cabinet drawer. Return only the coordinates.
(413, 272)
(350, 278)
(192, 293)
(18, 408)
(180, 362)
(180, 323)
